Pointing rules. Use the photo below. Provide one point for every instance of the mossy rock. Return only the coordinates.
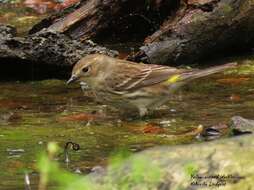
(224, 164)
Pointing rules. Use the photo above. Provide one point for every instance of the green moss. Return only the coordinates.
(226, 8)
(191, 169)
(245, 68)
(197, 18)
(41, 104)
(165, 165)
(19, 16)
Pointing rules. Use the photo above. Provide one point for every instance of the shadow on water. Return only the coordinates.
(16, 69)
(35, 113)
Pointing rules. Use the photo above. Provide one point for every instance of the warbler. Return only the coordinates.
(125, 83)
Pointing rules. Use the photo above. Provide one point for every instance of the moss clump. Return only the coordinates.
(226, 8)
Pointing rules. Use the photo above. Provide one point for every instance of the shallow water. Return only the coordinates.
(19, 16)
(34, 113)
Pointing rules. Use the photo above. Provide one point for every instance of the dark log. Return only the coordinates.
(45, 48)
(95, 17)
(201, 30)
(198, 30)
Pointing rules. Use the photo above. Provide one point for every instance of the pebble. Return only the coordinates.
(15, 153)
(167, 123)
(78, 171)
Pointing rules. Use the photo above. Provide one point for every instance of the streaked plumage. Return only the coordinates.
(120, 82)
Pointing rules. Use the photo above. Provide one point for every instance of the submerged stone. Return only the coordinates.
(227, 164)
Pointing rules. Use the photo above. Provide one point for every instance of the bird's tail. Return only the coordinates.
(205, 72)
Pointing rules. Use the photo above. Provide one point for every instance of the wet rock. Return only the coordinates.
(98, 171)
(241, 124)
(216, 131)
(45, 48)
(78, 171)
(9, 117)
(7, 31)
(14, 151)
(224, 163)
(48, 48)
(237, 126)
(201, 29)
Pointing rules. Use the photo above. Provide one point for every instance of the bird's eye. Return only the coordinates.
(85, 69)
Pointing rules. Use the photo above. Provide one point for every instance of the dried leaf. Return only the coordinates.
(235, 98)
(233, 81)
(153, 128)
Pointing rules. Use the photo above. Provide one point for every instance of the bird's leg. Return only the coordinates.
(142, 111)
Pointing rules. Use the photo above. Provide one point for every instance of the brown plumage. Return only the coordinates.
(121, 82)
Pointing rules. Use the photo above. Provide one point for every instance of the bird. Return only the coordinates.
(125, 84)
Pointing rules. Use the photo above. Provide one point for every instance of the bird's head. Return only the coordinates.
(87, 68)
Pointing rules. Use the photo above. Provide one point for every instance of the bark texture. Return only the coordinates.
(94, 17)
(200, 30)
(42, 55)
(179, 32)
(46, 47)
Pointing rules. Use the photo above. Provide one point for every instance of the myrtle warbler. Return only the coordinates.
(124, 83)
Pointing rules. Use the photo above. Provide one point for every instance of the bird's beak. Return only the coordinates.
(72, 79)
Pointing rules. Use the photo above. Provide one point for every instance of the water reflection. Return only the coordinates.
(34, 113)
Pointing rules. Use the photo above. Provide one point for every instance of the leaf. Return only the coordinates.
(235, 98)
(153, 128)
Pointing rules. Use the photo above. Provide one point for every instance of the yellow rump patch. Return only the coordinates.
(172, 79)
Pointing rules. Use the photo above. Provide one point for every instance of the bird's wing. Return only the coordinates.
(133, 76)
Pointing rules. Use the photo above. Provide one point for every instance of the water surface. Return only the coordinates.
(34, 113)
